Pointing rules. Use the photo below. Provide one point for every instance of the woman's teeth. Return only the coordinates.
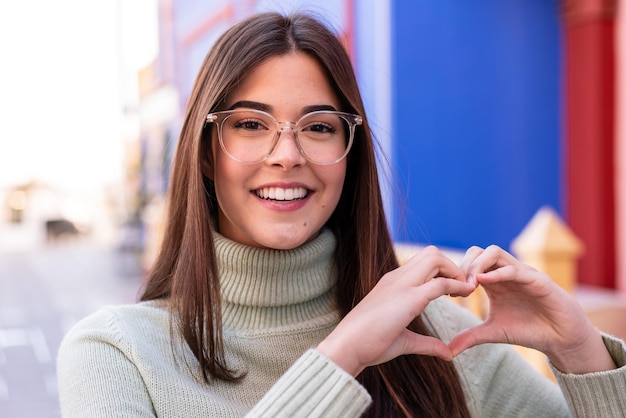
(278, 193)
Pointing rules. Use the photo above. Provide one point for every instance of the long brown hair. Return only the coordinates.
(185, 270)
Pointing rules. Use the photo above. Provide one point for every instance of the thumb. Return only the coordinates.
(425, 345)
(471, 337)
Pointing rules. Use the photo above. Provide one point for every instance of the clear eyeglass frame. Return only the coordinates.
(218, 118)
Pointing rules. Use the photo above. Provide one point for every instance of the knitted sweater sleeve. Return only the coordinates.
(106, 368)
(313, 387)
(600, 394)
(499, 382)
(95, 377)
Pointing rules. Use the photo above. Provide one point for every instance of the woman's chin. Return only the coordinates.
(283, 241)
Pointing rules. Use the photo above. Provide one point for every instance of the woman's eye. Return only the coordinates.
(251, 125)
(320, 128)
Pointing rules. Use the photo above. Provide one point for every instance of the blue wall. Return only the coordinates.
(464, 97)
(476, 118)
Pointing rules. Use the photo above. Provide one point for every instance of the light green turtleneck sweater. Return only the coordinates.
(278, 305)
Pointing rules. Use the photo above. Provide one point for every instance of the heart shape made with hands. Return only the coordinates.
(522, 306)
(515, 303)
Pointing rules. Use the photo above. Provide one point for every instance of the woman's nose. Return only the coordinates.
(286, 152)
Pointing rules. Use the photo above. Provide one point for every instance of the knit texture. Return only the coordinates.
(278, 305)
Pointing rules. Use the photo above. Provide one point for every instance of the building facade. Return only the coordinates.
(485, 112)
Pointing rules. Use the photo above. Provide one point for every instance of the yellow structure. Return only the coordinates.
(548, 245)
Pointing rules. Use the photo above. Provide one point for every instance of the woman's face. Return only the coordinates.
(287, 87)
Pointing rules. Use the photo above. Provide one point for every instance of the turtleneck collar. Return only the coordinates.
(269, 288)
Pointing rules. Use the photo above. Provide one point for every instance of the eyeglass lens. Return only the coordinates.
(250, 136)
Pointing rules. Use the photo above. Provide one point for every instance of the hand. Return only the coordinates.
(528, 308)
(375, 331)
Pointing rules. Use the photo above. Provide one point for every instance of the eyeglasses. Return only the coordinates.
(250, 136)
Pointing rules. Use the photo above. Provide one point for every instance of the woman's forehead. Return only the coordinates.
(294, 81)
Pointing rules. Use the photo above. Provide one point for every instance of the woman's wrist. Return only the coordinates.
(336, 354)
(591, 356)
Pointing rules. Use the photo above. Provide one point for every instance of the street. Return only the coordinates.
(44, 290)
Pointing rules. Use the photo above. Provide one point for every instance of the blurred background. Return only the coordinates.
(487, 114)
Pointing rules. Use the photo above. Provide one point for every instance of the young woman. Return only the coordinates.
(277, 291)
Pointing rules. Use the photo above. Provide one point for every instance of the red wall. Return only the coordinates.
(590, 121)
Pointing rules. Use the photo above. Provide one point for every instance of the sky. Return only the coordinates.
(66, 69)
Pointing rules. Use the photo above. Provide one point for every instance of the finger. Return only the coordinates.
(527, 280)
(468, 258)
(440, 286)
(412, 301)
(471, 337)
(491, 258)
(432, 262)
(502, 274)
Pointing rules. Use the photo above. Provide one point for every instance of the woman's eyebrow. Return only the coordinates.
(267, 108)
(314, 108)
(251, 105)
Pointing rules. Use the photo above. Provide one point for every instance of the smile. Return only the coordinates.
(278, 193)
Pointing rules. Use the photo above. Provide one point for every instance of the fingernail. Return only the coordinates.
(471, 280)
